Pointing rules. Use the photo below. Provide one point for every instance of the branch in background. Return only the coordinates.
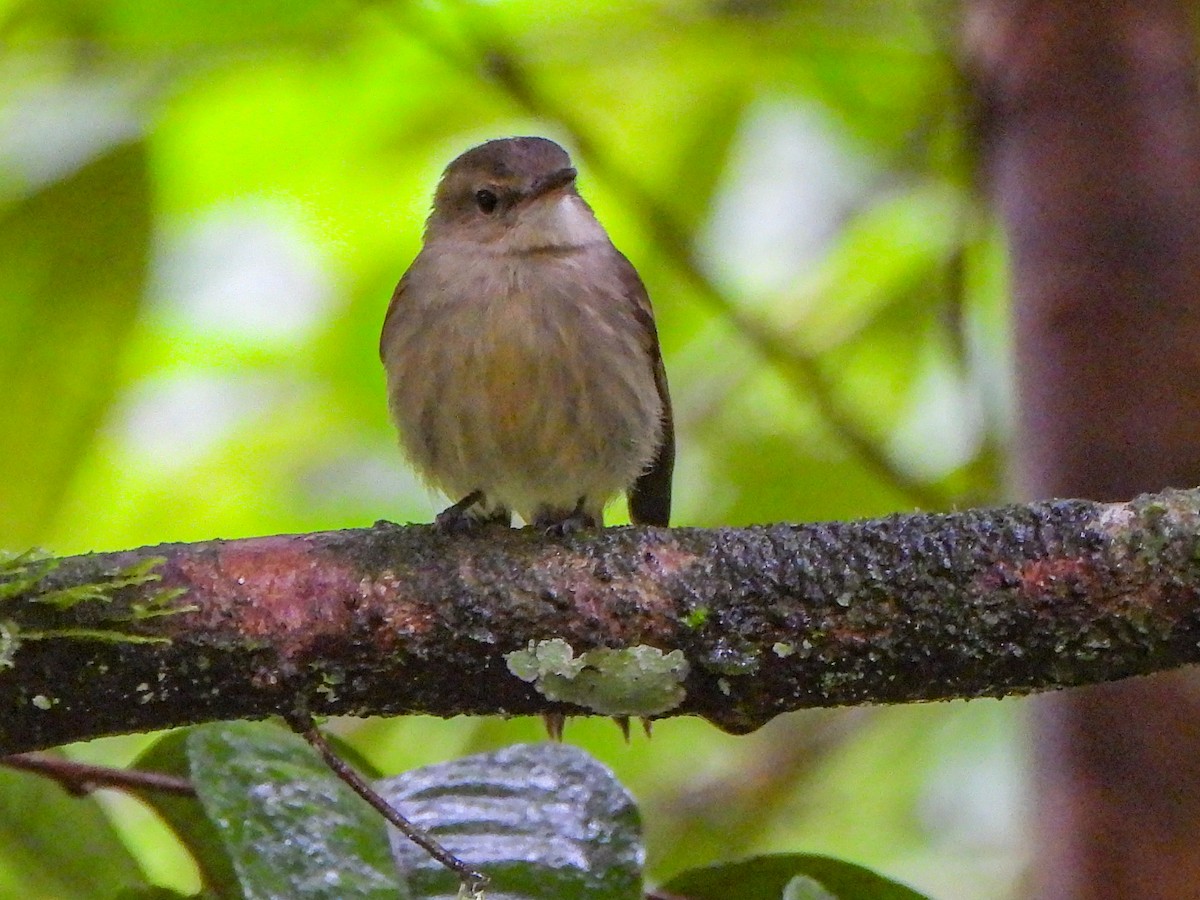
(79, 778)
(735, 625)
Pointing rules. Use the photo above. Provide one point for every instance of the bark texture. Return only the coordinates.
(396, 619)
(1092, 140)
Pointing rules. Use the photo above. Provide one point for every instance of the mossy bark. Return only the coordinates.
(393, 620)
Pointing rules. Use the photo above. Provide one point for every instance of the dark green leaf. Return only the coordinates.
(292, 828)
(185, 816)
(804, 876)
(543, 821)
(162, 893)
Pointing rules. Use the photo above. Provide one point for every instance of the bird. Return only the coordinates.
(523, 366)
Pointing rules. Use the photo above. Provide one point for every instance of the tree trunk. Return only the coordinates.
(1091, 139)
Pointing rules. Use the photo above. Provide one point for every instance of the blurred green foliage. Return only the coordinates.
(204, 208)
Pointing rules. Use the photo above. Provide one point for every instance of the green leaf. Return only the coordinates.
(75, 259)
(161, 893)
(701, 163)
(790, 876)
(56, 845)
(292, 828)
(542, 821)
(185, 816)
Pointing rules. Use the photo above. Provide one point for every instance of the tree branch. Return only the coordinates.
(80, 779)
(391, 620)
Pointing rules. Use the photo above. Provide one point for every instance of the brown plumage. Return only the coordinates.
(524, 371)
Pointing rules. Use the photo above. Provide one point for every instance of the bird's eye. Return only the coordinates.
(486, 200)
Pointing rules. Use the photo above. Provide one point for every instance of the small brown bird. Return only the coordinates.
(523, 365)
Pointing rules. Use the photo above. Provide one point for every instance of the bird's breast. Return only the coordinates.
(527, 378)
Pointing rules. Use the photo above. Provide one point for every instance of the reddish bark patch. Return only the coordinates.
(1052, 576)
(274, 590)
(669, 559)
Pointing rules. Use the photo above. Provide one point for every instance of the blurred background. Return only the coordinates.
(204, 209)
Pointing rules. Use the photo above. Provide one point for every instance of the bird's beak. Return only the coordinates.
(551, 182)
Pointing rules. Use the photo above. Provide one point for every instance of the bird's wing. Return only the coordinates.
(392, 316)
(650, 496)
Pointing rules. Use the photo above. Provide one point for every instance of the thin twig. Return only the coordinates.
(304, 725)
(80, 779)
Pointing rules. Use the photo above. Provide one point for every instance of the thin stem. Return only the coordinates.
(80, 779)
(303, 725)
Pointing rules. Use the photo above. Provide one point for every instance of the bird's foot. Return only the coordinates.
(468, 516)
(558, 522)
